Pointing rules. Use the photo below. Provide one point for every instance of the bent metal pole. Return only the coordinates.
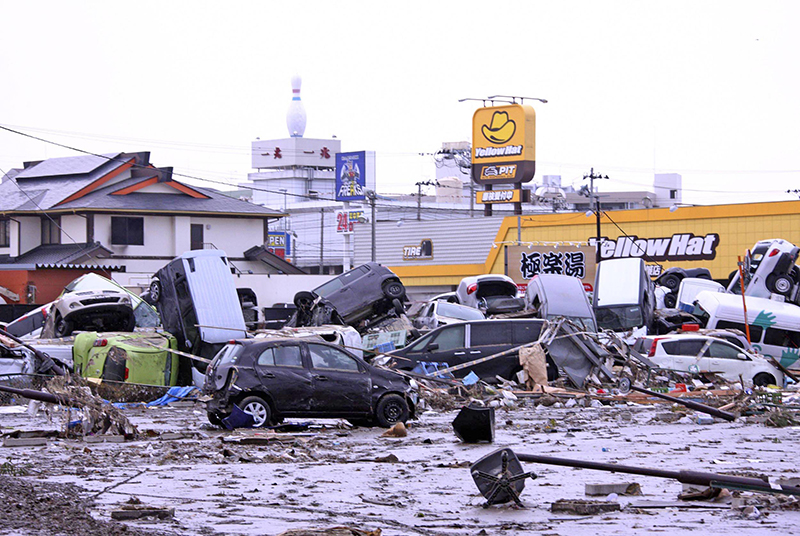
(685, 477)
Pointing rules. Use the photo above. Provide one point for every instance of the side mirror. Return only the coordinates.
(742, 356)
(433, 346)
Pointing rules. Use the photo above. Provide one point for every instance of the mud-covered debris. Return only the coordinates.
(333, 531)
(583, 507)
(97, 415)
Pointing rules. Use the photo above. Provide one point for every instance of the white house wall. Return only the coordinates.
(30, 234)
(73, 229)
(232, 235)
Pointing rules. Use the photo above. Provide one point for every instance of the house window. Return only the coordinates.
(673, 194)
(51, 230)
(196, 232)
(127, 231)
(5, 233)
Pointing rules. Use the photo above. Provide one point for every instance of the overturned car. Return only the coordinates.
(365, 294)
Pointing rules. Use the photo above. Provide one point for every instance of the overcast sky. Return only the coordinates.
(705, 89)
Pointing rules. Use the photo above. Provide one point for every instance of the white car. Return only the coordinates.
(491, 293)
(769, 268)
(701, 353)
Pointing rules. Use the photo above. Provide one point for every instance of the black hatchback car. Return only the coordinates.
(455, 344)
(275, 378)
(365, 291)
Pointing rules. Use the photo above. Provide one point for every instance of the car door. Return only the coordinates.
(489, 338)
(282, 374)
(448, 346)
(341, 385)
(680, 354)
(731, 361)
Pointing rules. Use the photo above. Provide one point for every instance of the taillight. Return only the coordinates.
(690, 327)
(653, 347)
(100, 342)
(774, 252)
(127, 372)
(472, 288)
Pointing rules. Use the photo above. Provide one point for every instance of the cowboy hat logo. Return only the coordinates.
(500, 130)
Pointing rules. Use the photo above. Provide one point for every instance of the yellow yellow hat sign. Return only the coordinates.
(504, 144)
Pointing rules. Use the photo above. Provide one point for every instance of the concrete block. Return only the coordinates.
(25, 442)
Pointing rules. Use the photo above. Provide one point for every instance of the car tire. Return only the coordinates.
(391, 409)
(671, 281)
(394, 289)
(763, 379)
(258, 408)
(215, 419)
(779, 284)
(155, 292)
(63, 328)
(303, 300)
(398, 307)
(670, 301)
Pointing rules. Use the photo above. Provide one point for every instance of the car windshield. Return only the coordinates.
(452, 310)
(586, 323)
(619, 318)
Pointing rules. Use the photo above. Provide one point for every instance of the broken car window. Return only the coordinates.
(325, 357)
(281, 356)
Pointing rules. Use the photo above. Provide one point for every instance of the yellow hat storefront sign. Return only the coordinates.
(503, 144)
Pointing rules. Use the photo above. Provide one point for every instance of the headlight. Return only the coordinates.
(73, 305)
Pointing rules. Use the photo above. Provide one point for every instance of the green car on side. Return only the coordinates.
(138, 357)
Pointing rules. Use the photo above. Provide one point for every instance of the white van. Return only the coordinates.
(774, 325)
(690, 287)
(623, 295)
(557, 295)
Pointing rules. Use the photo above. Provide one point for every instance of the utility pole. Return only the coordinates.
(595, 204)
(371, 197)
(321, 241)
(419, 195)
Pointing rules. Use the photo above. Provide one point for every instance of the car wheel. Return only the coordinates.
(671, 281)
(215, 419)
(391, 410)
(394, 289)
(258, 408)
(63, 328)
(670, 301)
(762, 379)
(398, 307)
(779, 284)
(155, 291)
(303, 299)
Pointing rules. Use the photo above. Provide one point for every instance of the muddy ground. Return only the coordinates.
(334, 475)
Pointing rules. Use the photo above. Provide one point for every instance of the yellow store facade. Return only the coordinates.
(712, 237)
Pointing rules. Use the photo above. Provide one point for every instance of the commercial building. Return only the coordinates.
(432, 257)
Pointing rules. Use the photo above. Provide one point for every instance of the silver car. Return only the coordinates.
(439, 313)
